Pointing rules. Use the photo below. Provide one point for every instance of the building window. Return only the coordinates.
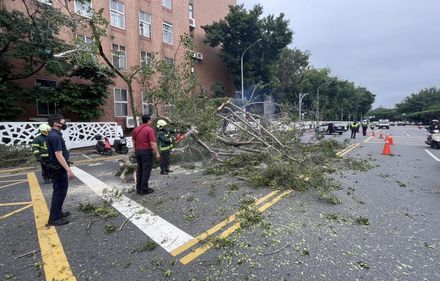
(146, 59)
(168, 33)
(83, 8)
(119, 57)
(147, 104)
(169, 61)
(48, 2)
(121, 102)
(117, 15)
(191, 11)
(145, 24)
(167, 3)
(46, 108)
(84, 39)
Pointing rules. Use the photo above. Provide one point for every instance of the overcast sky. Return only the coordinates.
(391, 47)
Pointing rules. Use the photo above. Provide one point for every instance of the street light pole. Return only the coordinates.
(317, 110)
(301, 97)
(242, 55)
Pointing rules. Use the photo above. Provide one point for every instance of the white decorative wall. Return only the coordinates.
(77, 134)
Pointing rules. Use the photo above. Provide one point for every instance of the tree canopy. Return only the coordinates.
(240, 29)
(28, 44)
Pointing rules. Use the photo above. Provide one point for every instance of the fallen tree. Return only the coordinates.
(242, 141)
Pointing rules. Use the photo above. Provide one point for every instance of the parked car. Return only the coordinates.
(331, 128)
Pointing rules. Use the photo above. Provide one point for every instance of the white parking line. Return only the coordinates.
(162, 232)
(432, 155)
(86, 156)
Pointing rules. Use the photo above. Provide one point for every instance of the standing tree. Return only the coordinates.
(240, 29)
(29, 44)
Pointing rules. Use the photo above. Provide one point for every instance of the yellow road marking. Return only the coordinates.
(368, 139)
(340, 153)
(216, 228)
(15, 212)
(349, 149)
(56, 266)
(15, 204)
(199, 251)
(14, 183)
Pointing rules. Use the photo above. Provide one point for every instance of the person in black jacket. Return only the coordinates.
(39, 148)
(434, 125)
(165, 146)
(59, 169)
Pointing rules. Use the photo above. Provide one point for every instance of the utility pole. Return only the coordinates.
(301, 97)
(242, 55)
(317, 110)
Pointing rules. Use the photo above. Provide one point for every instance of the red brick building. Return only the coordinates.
(141, 28)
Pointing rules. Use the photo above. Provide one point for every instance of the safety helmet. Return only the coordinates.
(434, 121)
(161, 123)
(44, 128)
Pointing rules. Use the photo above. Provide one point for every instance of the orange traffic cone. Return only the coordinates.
(390, 139)
(381, 135)
(373, 134)
(387, 148)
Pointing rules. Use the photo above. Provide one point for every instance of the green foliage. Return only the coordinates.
(103, 210)
(249, 216)
(15, 156)
(291, 67)
(29, 41)
(218, 90)
(240, 29)
(301, 166)
(147, 246)
(109, 228)
(420, 101)
(338, 99)
(221, 243)
(84, 100)
(362, 221)
(384, 113)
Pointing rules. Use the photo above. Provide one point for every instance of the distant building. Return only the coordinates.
(139, 29)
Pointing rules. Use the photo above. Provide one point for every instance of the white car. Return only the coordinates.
(383, 123)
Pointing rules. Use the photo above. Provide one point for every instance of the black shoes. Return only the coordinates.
(164, 173)
(65, 214)
(47, 180)
(58, 222)
(146, 191)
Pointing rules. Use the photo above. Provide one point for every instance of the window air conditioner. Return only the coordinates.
(129, 121)
(192, 22)
(200, 56)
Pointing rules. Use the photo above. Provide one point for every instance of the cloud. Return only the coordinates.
(390, 47)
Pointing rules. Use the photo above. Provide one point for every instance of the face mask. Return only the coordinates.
(63, 126)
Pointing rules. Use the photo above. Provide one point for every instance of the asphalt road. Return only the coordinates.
(302, 237)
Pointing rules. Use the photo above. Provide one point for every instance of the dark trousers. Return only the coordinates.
(60, 185)
(45, 172)
(165, 160)
(364, 131)
(144, 159)
(353, 133)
